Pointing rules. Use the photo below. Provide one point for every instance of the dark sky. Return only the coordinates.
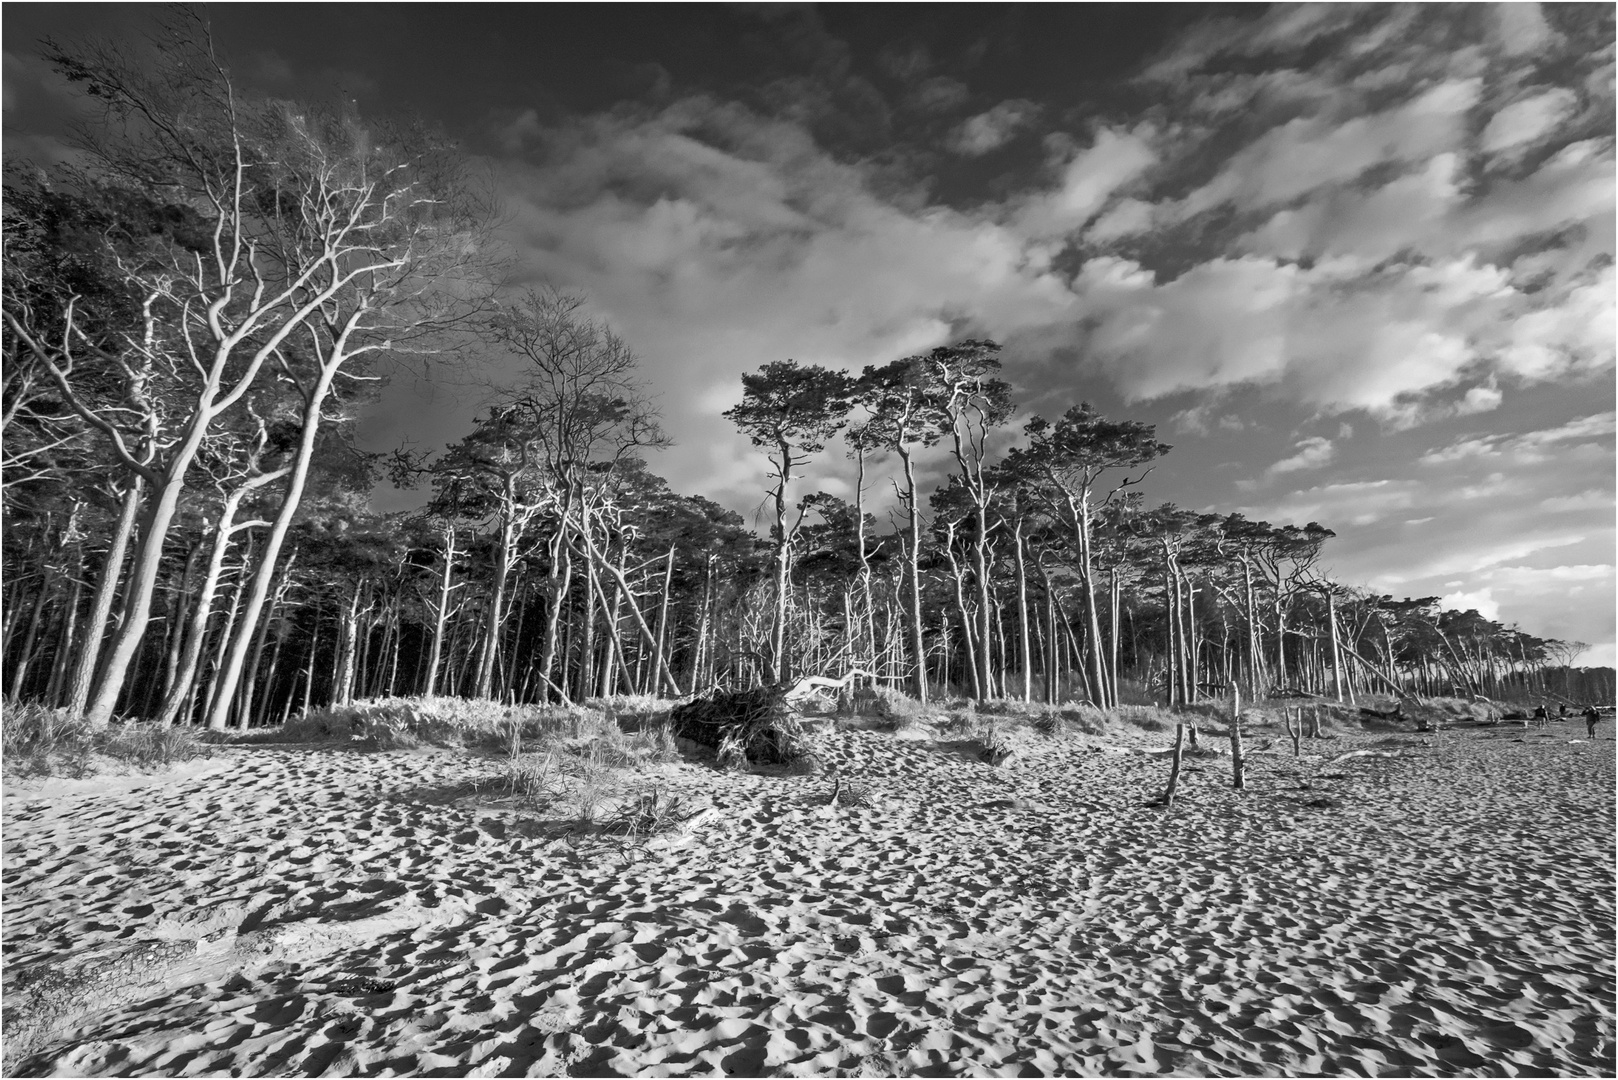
(1355, 262)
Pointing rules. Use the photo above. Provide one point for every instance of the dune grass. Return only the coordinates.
(40, 741)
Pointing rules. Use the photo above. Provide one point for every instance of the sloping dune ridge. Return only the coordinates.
(1443, 910)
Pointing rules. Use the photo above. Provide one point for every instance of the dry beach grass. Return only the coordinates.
(578, 899)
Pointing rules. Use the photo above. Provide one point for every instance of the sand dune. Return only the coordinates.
(1448, 911)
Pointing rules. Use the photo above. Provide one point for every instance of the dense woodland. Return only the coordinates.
(196, 313)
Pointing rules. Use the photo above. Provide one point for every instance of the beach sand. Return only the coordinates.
(1448, 910)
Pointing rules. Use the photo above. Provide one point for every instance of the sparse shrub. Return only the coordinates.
(1086, 718)
(656, 743)
(896, 710)
(39, 741)
(534, 783)
(1146, 717)
(651, 813)
(995, 744)
(153, 746)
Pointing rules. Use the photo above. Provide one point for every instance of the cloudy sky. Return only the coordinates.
(1355, 263)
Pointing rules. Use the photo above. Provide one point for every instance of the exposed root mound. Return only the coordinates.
(759, 726)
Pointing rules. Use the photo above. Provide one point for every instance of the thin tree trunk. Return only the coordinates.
(264, 576)
(663, 610)
(558, 578)
(19, 671)
(64, 647)
(918, 652)
(95, 627)
(966, 619)
(214, 694)
(1024, 641)
(441, 614)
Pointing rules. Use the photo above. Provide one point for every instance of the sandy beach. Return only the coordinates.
(1444, 910)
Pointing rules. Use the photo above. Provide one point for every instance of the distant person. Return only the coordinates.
(1592, 716)
(1541, 716)
(1561, 711)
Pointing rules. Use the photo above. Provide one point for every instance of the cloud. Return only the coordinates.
(990, 130)
(1528, 120)
(1308, 153)
(1313, 453)
(1521, 28)
(1482, 601)
(1085, 181)
(716, 239)
(1593, 499)
(1527, 448)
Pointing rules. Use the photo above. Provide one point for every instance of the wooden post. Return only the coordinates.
(1174, 766)
(1296, 733)
(1238, 780)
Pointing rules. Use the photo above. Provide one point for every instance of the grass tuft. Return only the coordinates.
(40, 741)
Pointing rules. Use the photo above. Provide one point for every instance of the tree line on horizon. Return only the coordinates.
(197, 309)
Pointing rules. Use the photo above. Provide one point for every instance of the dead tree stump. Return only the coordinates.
(1295, 732)
(1238, 776)
(1174, 764)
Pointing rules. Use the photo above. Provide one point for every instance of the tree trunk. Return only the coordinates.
(662, 616)
(1025, 651)
(966, 619)
(1174, 764)
(1238, 762)
(435, 653)
(265, 574)
(703, 633)
(244, 709)
(1102, 697)
(558, 579)
(155, 520)
(503, 551)
(640, 620)
(347, 646)
(918, 651)
(95, 627)
(216, 702)
(25, 655)
(984, 675)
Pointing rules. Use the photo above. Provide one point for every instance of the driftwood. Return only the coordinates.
(1395, 713)
(1363, 753)
(814, 684)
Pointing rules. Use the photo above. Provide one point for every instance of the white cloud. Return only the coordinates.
(1528, 448)
(1527, 120)
(1593, 499)
(1313, 453)
(1482, 601)
(1308, 153)
(1086, 181)
(991, 130)
(1521, 29)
